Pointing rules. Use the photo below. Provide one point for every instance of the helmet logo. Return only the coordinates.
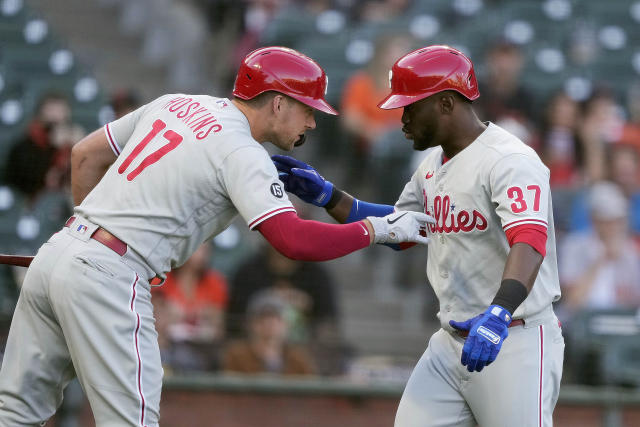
(390, 77)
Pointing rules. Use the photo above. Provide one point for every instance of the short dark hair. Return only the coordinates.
(261, 100)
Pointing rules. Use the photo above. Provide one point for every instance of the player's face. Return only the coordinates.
(420, 123)
(293, 119)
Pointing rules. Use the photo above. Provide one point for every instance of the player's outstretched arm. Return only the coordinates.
(317, 241)
(305, 182)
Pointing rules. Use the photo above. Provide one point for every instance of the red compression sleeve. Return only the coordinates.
(533, 235)
(306, 240)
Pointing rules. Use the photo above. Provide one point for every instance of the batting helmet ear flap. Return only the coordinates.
(286, 71)
(427, 71)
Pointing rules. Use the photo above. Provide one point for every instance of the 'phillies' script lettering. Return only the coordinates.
(197, 118)
(447, 222)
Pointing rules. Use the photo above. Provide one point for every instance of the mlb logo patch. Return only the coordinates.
(82, 229)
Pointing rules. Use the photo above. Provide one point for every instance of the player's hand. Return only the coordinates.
(303, 180)
(487, 332)
(401, 226)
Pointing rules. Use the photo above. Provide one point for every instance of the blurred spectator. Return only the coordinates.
(36, 201)
(623, 169)
(63, 137)
(379, 11)
(601, 124)
(561, 149)
(306, 286)
(362, 119)
(190, 314)
(631, 130)
(174, 35)
(32, 156)
(308, 289)
(124, 101)
(266, 350)
(503, 95)
(600, 269)
(257, 14)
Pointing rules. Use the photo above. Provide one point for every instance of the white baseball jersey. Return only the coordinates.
(494, 184)
(187, 165)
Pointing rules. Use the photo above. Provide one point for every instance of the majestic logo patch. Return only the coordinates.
(428, 175)
(276, 190)
(488, 334)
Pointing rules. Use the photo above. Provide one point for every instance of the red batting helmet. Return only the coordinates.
(286, 71)
(430, 70)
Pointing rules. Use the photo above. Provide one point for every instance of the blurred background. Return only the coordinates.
(250, 338)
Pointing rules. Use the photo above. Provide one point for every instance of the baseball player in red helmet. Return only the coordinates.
(149, 188)
(497, 360)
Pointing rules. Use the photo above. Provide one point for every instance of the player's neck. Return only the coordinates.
(462, 135)
(255, 119)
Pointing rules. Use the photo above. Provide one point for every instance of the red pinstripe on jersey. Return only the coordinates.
(137, 348)
(540, 388)
(269, 214)
(525, 221)
(112, 140)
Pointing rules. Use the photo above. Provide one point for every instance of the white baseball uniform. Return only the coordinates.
(494, 184)
(186, 166)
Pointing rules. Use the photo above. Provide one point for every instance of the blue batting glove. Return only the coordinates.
(486, 335)
(303, 180)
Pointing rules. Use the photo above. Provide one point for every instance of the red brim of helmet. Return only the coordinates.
(398, 101)
(318, 104)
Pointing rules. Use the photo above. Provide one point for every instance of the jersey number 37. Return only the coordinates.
(520, 201)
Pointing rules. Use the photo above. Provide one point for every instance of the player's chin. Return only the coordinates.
(300, 140)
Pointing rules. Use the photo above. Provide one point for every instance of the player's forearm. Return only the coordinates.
(345, 208)
(522, 264)
(90, 159)
(520, 271)
(307, 240)
(340, 205)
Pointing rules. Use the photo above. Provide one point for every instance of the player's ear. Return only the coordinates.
(446, 102)
(277, 103)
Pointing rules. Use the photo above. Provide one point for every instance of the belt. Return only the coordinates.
(514, 322)
(106, 238)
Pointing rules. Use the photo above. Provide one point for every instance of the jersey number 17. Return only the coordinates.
(174, 140)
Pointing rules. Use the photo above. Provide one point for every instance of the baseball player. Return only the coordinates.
(149, 188)
(497, 360)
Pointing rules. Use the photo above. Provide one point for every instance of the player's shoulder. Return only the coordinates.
(500, 143)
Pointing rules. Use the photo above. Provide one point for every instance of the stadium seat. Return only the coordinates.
(606, 343)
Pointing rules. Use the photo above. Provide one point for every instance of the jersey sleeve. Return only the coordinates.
(520, 190)
(252, 183)
(411, 198)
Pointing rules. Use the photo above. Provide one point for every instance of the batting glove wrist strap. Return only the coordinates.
(336, 196)
(510, 295)
(401, 226)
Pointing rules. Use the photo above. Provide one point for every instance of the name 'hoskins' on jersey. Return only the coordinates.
(198, 118)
